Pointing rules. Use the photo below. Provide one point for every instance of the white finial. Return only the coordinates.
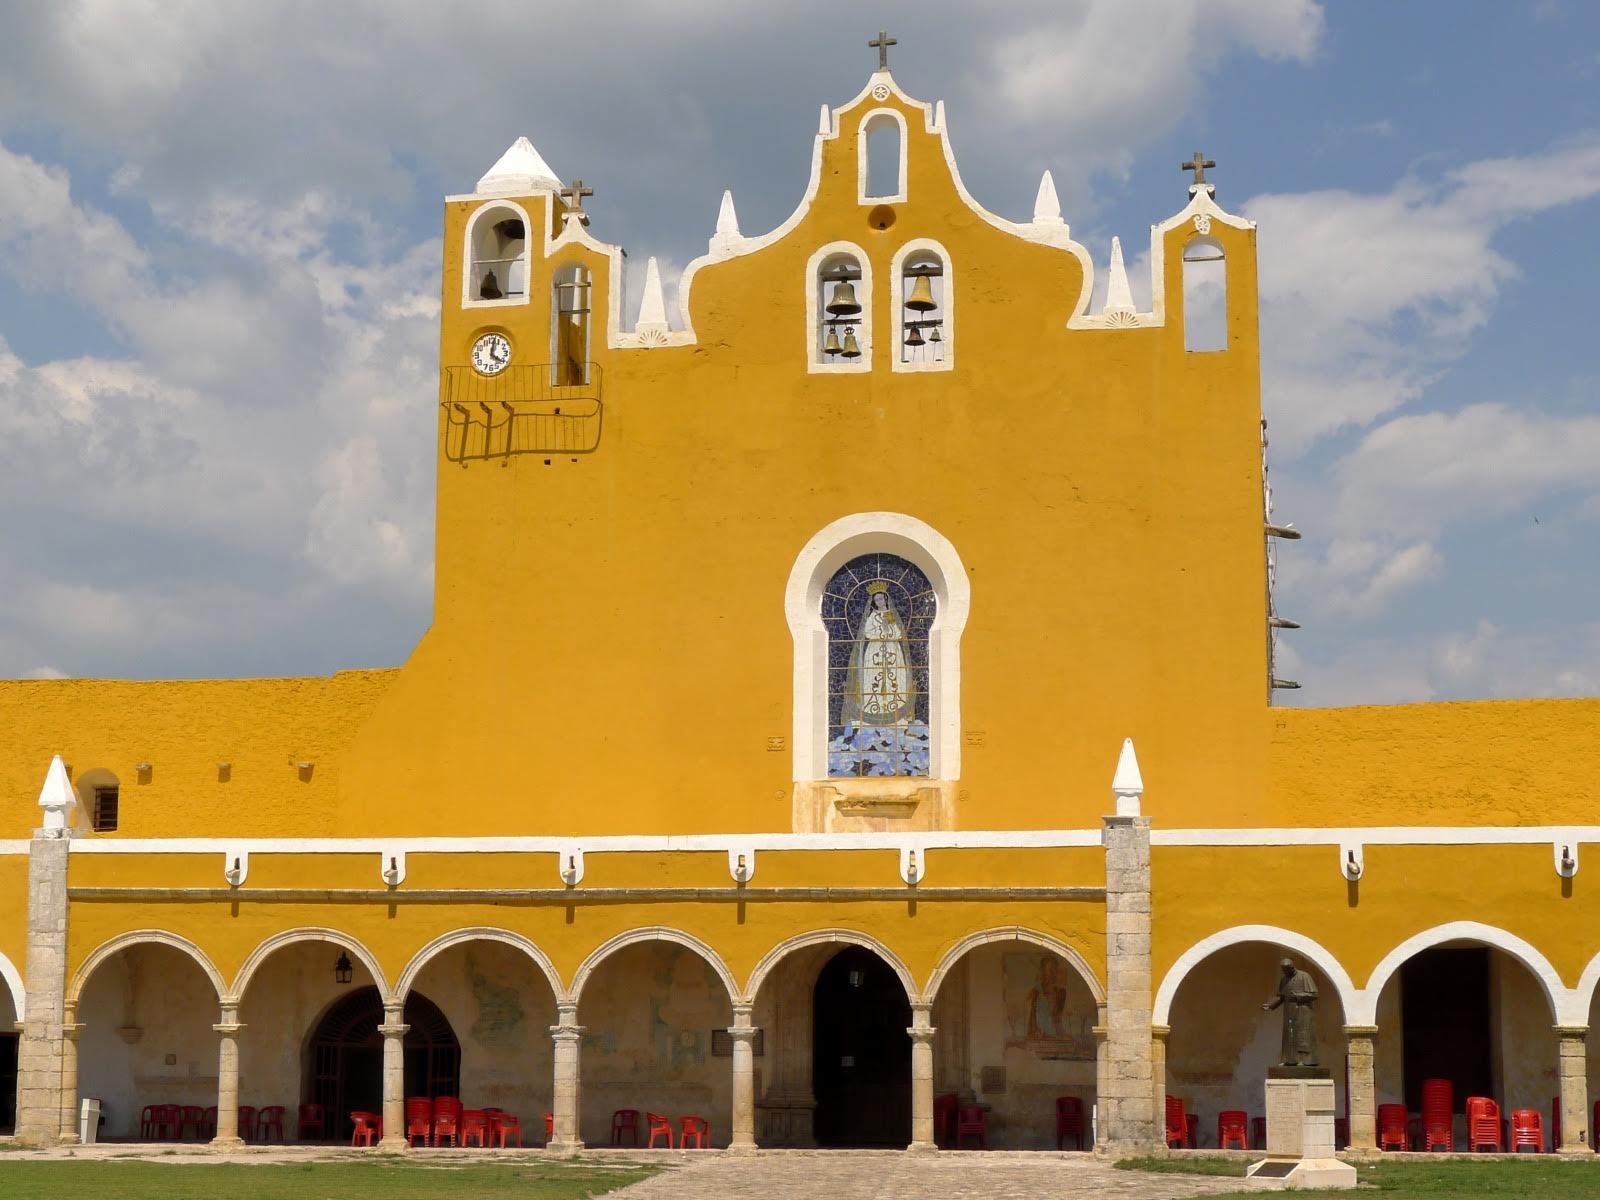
(938, 115)
(1118, 296)
(1127, 784)
(56, 797)
(520, 170)
(826, 125)
(1047, 205)
(727, 235)
(653, 305)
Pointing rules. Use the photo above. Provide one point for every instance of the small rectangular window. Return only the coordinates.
(105, 809)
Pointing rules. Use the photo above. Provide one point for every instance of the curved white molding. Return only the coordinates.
(820, 937)
(1581, 999)
(13, 982)
(484, 210)
(897, 306)
(815, 363)
(864, 128)
(1315, 952)
(1562, 1001)
(654, 933)
(480, 933)
(136, 937)
(828, 550)
(309, 934)
(1015, 933)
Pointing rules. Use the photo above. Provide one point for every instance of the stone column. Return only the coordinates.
(567, 1093)
(922, 1032)
(70, 1030)
(394, 1032)
(1574, 1077)
(227, 1135)
(743, 1033)
(1101, 1061)
(1158, 1077)
(1363, 1097)
(39, 1055)
(1127, 1106)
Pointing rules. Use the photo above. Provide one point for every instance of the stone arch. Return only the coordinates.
(483, 933)
(13, 981)
(1563, 1009)
(817, 937)
(309, 934)
(1582, 996)
(1016, 933)
(654, 933)
(1319, 955)
(137, 937)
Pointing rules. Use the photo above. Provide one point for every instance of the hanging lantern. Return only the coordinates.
(915, 338)
(852, 348)
(489, 289)
(844, 303)
(922, 295)
(831, 344)
(342, 969)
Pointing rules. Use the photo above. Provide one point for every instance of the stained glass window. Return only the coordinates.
(878, 609)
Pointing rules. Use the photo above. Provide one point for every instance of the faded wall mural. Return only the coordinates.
(1038, 1016)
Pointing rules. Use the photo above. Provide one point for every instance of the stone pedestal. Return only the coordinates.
(394, 1078)
(743, 1034)
(1300, 1133)
(1361, 1052)
(1128, 1120)
(566, 1095)
(922, 1034)
(227, 1134)
(1574, 1068)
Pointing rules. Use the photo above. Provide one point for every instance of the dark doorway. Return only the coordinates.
(861, 1065)
(347, 1056)
(1444, 1019)
(8, 1082)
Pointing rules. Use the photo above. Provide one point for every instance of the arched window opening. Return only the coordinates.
(569, 325)
(1205, 296)
(840, 311)
(878, 610)
(883, 160)
(922, 309)
(499, 242)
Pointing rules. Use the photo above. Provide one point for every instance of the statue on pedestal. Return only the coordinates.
(1297, 993)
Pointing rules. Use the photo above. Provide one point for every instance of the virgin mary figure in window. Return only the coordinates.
(878, 609)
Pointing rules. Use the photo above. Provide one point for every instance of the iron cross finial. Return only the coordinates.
(881, 44)
(573, 195)
(1198, 165)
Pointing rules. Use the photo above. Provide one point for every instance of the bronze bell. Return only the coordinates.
(852, 348)
(844, 303)
(490, 288)
(936, 336)
(914, 337)
(831, 344)
(922, 295)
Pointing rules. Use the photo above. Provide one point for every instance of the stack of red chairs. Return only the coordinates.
(1392, 1133)
(419, 1120)
(1438, 1115)
(944, 1119)
(1069, 1120)
(447, 1120)
(1177, 1126)
(1527, 1129)
(1483, 1124)
(1232, 1126)
(1555, 1123)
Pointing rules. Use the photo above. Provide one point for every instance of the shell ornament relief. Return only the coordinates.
(1202, 223)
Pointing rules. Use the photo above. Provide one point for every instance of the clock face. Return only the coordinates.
(491, 353)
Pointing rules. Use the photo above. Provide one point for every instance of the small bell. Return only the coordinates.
(490, 288)
(936, 336)
(831, 344)
(852, 348)
(511, 229)
(922, 295)
(844, 303)
(915, 338)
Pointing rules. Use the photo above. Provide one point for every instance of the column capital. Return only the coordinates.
(394, 1030)
(743, 1033)
(1360, 1031)
(742, 1015)
(71, 1031)
(1571, 1031)
(922, 1033)
(1160, 1032)
(568, 1033)
(228, 1028)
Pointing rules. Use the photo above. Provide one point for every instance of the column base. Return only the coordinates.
(228, 1143)
(69, 1139)
(923, 1148)
(394, 1142)
(1579, 1149)
(742, 1150)
(565, 1149)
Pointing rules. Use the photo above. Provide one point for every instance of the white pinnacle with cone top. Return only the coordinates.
(1047, 205)
(653, 304)
(1127, 784)
(727, 235)
(520, 170)
(1119, 297)
(57, 796)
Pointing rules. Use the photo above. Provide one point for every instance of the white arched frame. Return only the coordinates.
(815, 363)
(917, 248)
(1016, 933)
(143, 937)
(827, 551)
(1314, 952)
(491, 210)
(460, 937)
(874, 120)
(1562, 1001)
(13, 981)
(820, 937)
(657, 933)
(310, 934)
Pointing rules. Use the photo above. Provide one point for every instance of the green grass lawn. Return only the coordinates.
(379, 1179)
(1530, 1178)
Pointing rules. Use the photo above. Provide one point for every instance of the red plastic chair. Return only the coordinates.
(475, 1124)
(503, 1125)
(247, 1121)
(191, 1115)
(1069, 1120)
(694, 1127)
(944, 1119)
(658, 1126)
(270, 1122)
(971, 1120)
(447, 1120)
(1392, 1133)
(624, 1120)
(1438, 1115)
(1483, 1124)
(208, 1122)
(419, 1119)
(1177, 1127)
(312, 1117)
(1527, 1129)
(1231, 1127)
(1555, 1123)
(549, 1129)
(368, 1128)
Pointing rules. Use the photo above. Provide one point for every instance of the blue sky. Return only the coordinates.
(219, 255)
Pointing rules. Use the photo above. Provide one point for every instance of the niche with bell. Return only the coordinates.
(923, 310)
(840, 321)
(499, 243)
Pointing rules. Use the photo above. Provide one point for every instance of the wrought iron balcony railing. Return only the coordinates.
(543, 408)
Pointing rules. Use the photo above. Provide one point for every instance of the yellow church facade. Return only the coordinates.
(851, 693)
